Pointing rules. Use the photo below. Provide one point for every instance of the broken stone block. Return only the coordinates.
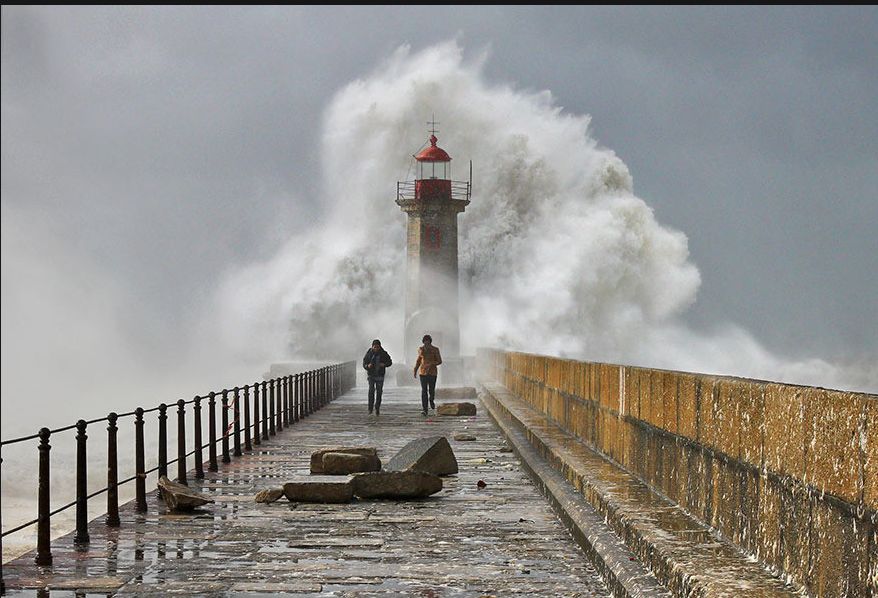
(269, 495)
(430, 455)
(458, 393)
(456, 409)
(396, 484)
(464, 437)
(322, 489)
(178, 497)
(317, 456)
(348, 463)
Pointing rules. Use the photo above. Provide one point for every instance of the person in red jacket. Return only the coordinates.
(428, 358)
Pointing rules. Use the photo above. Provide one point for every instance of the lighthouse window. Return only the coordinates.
(433, 170)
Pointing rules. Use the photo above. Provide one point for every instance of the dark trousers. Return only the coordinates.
(428, 383)
(376, 387)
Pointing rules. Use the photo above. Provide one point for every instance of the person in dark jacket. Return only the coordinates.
(374, 362)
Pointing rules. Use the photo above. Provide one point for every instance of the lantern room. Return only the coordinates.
(433, 178)
(433, 182)
(433, 162)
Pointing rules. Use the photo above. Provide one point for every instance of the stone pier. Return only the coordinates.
(499, 537)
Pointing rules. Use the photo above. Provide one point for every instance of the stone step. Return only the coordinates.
(684, 554)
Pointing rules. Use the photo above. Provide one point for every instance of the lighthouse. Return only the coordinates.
(432, 202)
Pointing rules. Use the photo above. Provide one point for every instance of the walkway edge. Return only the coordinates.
(620, 568)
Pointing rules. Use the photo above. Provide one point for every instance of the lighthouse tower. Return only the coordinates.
(432, 202)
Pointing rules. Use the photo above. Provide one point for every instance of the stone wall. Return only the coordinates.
(788, 473)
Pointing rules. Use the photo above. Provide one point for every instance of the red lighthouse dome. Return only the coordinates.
(434, 153)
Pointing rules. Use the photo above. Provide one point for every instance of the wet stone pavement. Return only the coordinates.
(464, 541)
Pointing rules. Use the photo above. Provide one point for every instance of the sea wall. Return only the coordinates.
(788, 473)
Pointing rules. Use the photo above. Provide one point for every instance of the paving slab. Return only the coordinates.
(502, 539)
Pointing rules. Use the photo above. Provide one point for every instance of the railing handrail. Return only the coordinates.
(145, 411)
(104, 489)
(284, 400)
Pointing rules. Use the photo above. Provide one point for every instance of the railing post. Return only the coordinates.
(296, 398)
(112, 473)
(211, 431)
(2, 583)
(306, 394)
(199, 454)
(225, 418)
(163, 440)
(247, 445)
(257, 436)
(139, 462)
(181, 442)
(44, 551)
(236, 424)
(291, 416)
(81, 538)
(271, 407)
(278, 383)
(285, 382)
(265, 416)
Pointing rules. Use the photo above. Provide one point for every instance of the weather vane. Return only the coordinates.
(433, 130)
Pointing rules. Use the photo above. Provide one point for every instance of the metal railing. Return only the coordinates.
(461, 190)
(284, 401)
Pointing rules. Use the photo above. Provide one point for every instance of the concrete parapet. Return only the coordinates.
(788, 473)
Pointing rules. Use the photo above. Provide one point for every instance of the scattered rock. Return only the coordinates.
(322, 489)
(317, 456)
(348, 463)
(464, 437)
(431, 455)
(481, 484)
(456, 394)
(269, 495)
(456, 409)
(178, 497)
(505, 449)
(396, 484)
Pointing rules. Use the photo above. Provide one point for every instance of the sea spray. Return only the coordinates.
(557, 253)
(555, 248)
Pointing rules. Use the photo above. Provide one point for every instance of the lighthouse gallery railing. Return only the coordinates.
(462, 190)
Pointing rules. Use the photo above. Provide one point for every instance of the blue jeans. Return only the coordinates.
(376, 387)
(428, 384)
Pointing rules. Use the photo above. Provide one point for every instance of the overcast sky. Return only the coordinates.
(146, 151)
